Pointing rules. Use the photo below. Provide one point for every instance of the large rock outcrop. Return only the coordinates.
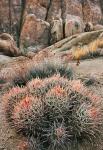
(91, 11)
(34, 32)
(14, 14)
(10, 12)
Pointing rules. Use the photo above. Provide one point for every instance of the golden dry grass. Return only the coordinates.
(83, 51)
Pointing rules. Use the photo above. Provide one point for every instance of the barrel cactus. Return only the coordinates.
(57, 114)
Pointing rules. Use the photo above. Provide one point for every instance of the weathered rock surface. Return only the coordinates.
(73, 7)
(98, 27)
(8, 45)
(10, 16)
(35, 32)
(14, 19)
(37, 7)
(73, 25)
(56, 30)
(91, 11)
(4, 59)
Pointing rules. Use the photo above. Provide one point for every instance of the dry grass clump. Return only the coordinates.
(86, 51)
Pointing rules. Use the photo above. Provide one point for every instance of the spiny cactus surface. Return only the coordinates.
(56, 114)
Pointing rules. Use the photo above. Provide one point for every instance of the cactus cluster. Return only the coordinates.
(19, 74)
(55, 113)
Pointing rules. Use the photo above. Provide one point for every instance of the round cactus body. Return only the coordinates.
(58, 114)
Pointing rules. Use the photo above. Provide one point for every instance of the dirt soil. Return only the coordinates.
(89, 71)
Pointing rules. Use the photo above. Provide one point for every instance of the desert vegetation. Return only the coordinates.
(55, 113)
(51, 75)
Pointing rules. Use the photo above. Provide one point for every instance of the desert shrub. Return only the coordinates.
(19, 74)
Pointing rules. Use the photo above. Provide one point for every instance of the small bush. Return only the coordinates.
(21, 73)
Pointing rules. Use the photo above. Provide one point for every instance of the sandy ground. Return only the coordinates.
(90, 66)
(7, 136)
(87, 70)
(90, 70)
